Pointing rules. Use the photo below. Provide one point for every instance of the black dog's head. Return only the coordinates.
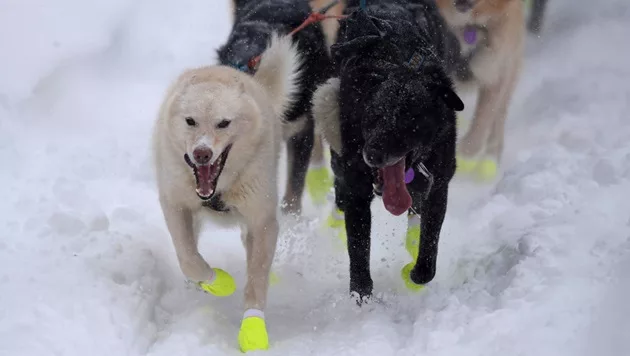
(410, 101)
(405, 115)
(247, 40)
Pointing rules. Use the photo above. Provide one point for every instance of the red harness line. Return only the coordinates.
(314, 17)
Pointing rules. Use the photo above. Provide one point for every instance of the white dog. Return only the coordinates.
(216, 146)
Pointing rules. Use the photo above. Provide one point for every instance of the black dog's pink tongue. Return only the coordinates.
(204, 181)
(395, 195)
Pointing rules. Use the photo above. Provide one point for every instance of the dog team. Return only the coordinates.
(378, 81)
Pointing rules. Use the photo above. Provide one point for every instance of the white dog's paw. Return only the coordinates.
(195, 268)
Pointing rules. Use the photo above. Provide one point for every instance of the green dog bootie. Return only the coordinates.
(412, 244)
(482, 170)
(337, 222)
(253, 334)
(405, 273)
(318, 183)
(221, 285)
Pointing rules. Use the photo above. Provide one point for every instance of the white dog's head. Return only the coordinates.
(210, 111)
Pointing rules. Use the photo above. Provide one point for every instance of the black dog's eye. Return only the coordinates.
(223, 124)
(190, 121)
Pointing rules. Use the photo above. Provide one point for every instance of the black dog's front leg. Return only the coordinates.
(432, 211)
(358, 226)
(353, 193)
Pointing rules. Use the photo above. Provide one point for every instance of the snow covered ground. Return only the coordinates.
(533, 265)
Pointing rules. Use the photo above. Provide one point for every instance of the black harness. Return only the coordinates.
(215, 203)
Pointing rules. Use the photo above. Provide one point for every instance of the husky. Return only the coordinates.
(254, 21)
(216, 146)
(492, 37)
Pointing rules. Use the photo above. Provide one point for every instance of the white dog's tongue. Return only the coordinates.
(205, 181)
(396, 198)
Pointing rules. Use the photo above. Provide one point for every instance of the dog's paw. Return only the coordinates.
(405, 273)
(487, 170)
(273, 279)
(253, 334)
(222, 284)
(482, 170)
(361, 299)
(318, 184)
(337, 223)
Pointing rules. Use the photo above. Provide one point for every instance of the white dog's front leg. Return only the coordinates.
(262, 247)
(179, 221)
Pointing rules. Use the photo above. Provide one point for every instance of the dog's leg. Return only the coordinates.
(494, 146)
(472, 144)
(433, 211)
(179, 221)
(355, 202)
(261, 245)
(299, 149)
(536, 16)
(318, 150)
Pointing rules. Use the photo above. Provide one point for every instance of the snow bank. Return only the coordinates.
(533, 265)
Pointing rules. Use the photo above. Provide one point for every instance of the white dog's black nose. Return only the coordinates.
(202, 155)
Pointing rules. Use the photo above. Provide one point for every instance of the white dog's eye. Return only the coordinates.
(223, 124)
(190, 121)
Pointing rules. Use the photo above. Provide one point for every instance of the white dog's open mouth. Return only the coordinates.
(207, 175)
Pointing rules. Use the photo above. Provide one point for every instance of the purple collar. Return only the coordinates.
(470, 34)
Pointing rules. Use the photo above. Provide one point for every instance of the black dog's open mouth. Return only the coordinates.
(207, 175)
(391, 185)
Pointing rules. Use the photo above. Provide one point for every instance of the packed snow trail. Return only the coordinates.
(533, 265)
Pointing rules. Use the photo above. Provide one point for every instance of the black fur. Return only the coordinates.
(254, 23)
(396, 101)
(536, 16)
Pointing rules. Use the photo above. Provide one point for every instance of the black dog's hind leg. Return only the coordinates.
(299, 149)
(432, 210)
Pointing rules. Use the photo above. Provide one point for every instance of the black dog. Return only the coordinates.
(396, 111)
(255, 21)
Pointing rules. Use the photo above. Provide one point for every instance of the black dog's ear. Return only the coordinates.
(353, 47)
(450, 98)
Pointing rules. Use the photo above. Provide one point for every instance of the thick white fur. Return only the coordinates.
(247, 185)
(279, 72)
(326, 113)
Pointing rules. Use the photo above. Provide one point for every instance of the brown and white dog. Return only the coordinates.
(491, 34)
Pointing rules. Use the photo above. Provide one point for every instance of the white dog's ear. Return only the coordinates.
(241, 88)
(326, 113)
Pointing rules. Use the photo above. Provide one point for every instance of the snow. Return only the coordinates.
(532, 265)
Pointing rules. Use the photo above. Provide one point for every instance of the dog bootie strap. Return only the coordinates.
(253, 334)
(412, 240)
(220, 285)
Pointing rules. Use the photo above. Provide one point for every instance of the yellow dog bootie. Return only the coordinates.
(337, 222)
(220, 285)
(482, 170)
(412, 244)
(318, 183)
(253, 334)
